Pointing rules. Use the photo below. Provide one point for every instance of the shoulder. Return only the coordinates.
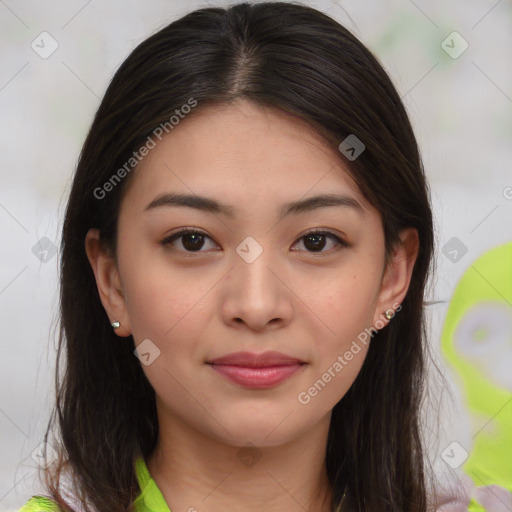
(40, 504)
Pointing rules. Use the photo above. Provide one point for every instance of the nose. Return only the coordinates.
(257, 294)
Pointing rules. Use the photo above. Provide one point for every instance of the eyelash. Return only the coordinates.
(186, 231)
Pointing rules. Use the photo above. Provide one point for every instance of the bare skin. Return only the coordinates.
(223, 446)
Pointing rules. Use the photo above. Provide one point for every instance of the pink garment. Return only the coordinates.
(493, 498)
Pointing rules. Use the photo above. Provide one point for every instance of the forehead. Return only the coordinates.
(240, 152)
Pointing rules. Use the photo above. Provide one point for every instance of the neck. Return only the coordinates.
(199, 472)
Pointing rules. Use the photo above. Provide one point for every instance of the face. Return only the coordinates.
(255, 278)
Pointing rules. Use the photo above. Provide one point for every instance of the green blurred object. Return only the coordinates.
(40, 504)
(477, 342)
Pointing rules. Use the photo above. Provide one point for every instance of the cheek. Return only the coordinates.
(162, 303)
(172, 313)
(346, 305)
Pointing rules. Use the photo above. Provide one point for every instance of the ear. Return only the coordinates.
(397, 275)
(108, 282)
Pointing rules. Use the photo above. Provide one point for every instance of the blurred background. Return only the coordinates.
(450, 61)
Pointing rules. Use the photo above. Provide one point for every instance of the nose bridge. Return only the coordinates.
(255, 294)
(252, 264)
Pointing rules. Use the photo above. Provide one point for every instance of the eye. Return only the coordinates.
(193, 240)
(315, 240)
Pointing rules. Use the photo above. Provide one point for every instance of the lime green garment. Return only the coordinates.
(150, 498)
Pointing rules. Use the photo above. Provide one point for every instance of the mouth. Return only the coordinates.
(253, 360)
(257, 370)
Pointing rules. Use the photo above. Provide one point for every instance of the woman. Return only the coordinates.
(244, 260)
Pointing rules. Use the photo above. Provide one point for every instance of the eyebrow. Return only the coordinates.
(210, 205)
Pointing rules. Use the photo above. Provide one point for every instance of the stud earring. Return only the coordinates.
(389, 314)
(116, 324)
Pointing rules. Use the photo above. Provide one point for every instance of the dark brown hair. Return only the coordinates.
(291, 57)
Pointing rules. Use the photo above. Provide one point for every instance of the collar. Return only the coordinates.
(150, 498)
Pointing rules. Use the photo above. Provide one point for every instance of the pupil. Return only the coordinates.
(195, 237)
(316, 239)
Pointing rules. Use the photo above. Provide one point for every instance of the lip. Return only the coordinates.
(252, 360)
(257, 370)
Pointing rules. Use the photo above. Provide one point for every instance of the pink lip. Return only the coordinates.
(257, 370)
(251, 360)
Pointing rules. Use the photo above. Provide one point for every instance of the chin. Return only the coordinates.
(247, 431)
